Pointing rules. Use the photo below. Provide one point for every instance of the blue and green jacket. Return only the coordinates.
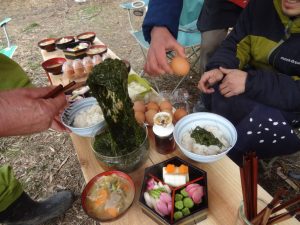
(266, 43)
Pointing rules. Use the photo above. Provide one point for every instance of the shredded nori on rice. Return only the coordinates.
(204, 137)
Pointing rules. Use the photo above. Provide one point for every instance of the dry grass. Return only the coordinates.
(47, 162)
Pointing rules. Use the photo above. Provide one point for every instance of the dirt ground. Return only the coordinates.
(47, 162)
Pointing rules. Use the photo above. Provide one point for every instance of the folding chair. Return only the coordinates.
(188, 34)
(10, 49)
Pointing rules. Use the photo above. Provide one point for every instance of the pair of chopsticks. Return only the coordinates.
(248, 172)
(59, 89)
(265, 216)
(249, 175)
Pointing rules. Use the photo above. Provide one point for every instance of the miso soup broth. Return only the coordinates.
(109, 197)
(85, 36)
(54, 65)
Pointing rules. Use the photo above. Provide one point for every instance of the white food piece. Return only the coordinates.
(88, 117)
(175, 179)
(134, 89)
(167, 188)
(148, 199)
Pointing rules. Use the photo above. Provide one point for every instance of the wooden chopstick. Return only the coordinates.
(59, 89)
(267, 214)
(248, 177)
(244, 189)
(283, 216)
(254, 184)
(269, 209)
(287, 204)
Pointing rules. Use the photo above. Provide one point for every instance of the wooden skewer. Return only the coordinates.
(59, 89)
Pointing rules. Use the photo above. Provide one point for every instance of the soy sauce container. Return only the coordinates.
(163, 133)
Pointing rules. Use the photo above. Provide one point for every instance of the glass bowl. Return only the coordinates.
(127, 162)
(242, 219)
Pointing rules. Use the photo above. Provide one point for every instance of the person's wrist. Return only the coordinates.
(157, 30)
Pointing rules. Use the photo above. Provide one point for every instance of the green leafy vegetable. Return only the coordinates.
(204, 137)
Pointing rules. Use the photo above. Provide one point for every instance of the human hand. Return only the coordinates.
(208, 79)
(234, 82)
(161, 42)
(25, 111)
(57, 124)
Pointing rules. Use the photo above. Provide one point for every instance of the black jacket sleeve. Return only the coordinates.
(274, 89)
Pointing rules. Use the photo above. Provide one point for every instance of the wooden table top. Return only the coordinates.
(223, 178)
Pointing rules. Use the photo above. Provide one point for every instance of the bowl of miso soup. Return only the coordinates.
(54, 65)
(108, 195)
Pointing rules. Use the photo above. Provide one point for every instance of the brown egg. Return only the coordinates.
(140, 117)
(180, 66)
(179, 113)
(165, 105)
(168, 111)
(149, 116)
(139, 106)
(153, 105)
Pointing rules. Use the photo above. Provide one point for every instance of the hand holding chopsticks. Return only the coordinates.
(59, 89)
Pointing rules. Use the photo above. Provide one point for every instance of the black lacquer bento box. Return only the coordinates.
(190, 214)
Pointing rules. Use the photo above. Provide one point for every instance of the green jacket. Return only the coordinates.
(10, 187)
(12, 75)
(266, 43)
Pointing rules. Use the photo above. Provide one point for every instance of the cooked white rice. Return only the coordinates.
(88, 117)
(190, 144)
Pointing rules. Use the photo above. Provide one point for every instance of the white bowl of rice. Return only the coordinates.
(218, 126)
(84, 117)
